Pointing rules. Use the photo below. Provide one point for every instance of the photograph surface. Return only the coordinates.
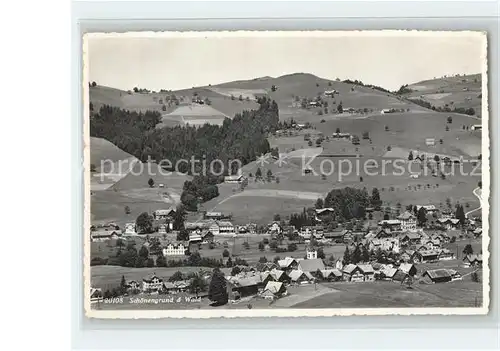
(245, 174)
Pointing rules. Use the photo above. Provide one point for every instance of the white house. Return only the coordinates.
(476, 127)
(408, 221)
(311, 254)
(430, 141)
(222, 228)
(274, 227)
(174, 250)
(152, 283)
(130, 229)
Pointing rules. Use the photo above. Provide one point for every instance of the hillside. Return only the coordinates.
(453, 92)
(293, 88)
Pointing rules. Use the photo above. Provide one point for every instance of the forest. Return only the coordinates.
(242, 138)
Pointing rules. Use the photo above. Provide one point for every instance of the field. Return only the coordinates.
(459, 92)
(393, 295)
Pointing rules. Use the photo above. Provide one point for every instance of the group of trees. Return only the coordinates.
(200, 189)
(462, 110)
(359, 254)
(349, 203)
(360, 83)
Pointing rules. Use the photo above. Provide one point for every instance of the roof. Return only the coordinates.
(452, 220)
(406, 267)
(311, 265)
(350, 268)
(326, 209)
(389, 272)
(248, 281)
(165, 212)
(438, 273)
(286, 262)
(233, 177)
(276, 273)
(410, 235)
(150, 279)
(213, 214)
(224, 224)
(273, 287)
(335, 234)
(406, 215)
(474, 257)
(329, 272)
(366, 268)
(390, 222)
(296, 274)
(429, 252)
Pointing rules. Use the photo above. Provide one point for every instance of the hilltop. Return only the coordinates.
(457, 92)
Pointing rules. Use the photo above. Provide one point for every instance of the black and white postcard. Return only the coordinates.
(245, 174)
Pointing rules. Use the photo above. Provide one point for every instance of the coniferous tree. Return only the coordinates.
(217, 291)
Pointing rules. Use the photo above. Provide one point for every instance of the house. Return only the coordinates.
(474, 260)
(428, 208)
(449, 223)
(251, 228)
(165, 214)
(311, 265)
(274, 227)
(195, 238)
(330, 93)
(367, 271)
(476, 127)
(96, 295)
(198, 226)
(234, 179)
(174, 250)
(299, 277)
(390, 224)
(130, 229)
(352, 273)
(324, 212)
(409, 239)
(341, 135)
(246, 285)
(104, 235)
(408, 268)
(430, 141)
(307, 231)
(152, 284)
(133, 286)
(408, 221)
(275, 275)
(214, 215)
(477, 232)
(277, 289)
(383, 234)
(162, 229)
(438, 275)
(388, 273)
(311, 254)
(288, 264)
(288, 230)
(446, 254)
(222, 228)
(331, 274)
(336, 235)
(207, 236)
(429, 255)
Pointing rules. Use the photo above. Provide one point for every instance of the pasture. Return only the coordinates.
(393, 295)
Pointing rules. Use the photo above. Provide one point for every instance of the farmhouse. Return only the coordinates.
(330, 93)
(133, 285)
(324, 212)
(367, 271)
(341, 135)
(164, 214)
(274, 290)
(245, 286)
(408, 268)
(222, 228)
(311, 265)
(429, 255)
(215, 215)
(408, 221)
(449, 223)
(234, 179)
(446, 254)
(130, 229)
(390, 224)
(474, 260)
(274, 227)
(428, 208)
(104, 235)
(95, 295)
(408, 239)
(331, 274)
(288, 263)
(336, 236)
(430, 141)
(438, 275)
(152, 284)
(275, 275)
(352, 273)
(174, 250)
(476, 127)
(299, 277)
(198, 225)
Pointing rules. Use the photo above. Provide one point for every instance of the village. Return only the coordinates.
(399, 250)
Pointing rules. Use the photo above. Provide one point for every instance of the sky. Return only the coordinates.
(172, 62)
